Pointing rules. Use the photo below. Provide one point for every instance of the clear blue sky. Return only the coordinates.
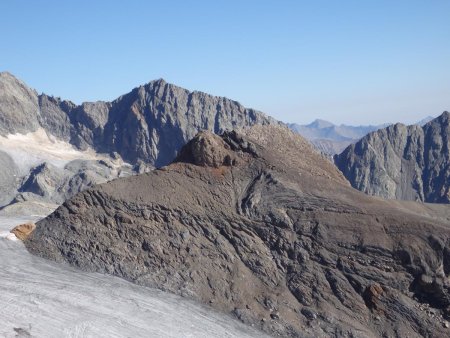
(354, 62)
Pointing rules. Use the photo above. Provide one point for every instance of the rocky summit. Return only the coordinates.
(403, 162)
(257, 224)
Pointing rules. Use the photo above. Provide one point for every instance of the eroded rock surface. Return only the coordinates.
(259, 225)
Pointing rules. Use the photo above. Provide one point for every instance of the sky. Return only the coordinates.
(353, 62)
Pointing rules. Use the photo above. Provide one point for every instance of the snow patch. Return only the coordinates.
(8, 235)
(31, 149)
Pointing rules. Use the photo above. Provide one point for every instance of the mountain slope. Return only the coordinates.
(403, 162)
(260, 225)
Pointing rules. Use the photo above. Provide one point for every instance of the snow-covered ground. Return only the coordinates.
(29, 150)
(39, 298)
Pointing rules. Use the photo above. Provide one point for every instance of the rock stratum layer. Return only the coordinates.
(259, 225)
(402, 162)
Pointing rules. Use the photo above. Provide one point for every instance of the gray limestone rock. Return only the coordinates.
(19, 107)
(402, 162)
(150, 124)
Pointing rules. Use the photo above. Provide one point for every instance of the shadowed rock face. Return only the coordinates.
(259, 225)
(149, 124)
(402, 162)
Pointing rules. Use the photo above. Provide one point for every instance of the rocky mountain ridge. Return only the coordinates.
(149, 124)
(134, 133)
(259, 225)
(402, 162)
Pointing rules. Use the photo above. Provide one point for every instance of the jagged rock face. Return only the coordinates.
(149, 124)
(154, 121)
(263, 227)
(402, 162)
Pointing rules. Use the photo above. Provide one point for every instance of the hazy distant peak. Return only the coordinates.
(425, 120)
(320, 124)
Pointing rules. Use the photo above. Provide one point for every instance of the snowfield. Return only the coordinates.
(29, 150)
(43, 299)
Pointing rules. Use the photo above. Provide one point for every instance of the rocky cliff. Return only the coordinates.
(403, 162)
(149, 124)
(259, 225)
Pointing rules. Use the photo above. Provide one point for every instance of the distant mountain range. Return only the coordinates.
(332, 139)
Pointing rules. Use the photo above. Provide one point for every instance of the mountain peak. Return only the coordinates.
(8, 78)
(320, 124)
(159, 81)
(441, 119)
(445, 115)
(6, 74)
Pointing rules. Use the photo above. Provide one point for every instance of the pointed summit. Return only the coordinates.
(320, 124)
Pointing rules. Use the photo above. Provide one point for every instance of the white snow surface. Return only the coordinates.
(29, 150)
(40, 298)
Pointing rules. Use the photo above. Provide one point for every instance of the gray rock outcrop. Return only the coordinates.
(402, 162)
(48, 183)
(259, 225)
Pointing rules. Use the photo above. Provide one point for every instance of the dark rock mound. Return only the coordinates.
(278, 239)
